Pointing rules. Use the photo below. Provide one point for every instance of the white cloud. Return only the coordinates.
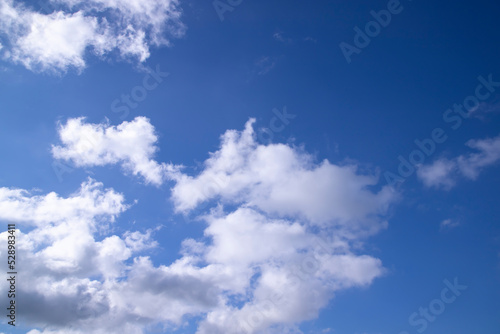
(285, 234)
(438, 174)
(483, 109)
(283, 180)
(77, 282)
(137, 241)
(279, 36)
(88, 203)
(57, 41)
(264, 65)
(444, 172)
(448, 224)
(130, 144)
(489, 153)
(282, 270)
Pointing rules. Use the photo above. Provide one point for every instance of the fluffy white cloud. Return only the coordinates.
(283, 234)
(282, 180)
(58, 40)
(444, 172)
(282, 272)
(88, 203)
(78, 279)
(289, 243)
(130, 144)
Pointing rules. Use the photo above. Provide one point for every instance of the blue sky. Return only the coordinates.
(171, 165)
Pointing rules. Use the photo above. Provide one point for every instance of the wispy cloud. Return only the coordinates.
(264, 65)
(448, 224)
(443, 172)
(485, 108)
(438, 174)
(280, 37)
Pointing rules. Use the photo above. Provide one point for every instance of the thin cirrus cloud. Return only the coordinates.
(62, 39)
(443, 173)
(283, 234)
(448, 224)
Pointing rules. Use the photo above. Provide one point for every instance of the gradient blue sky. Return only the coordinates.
(271, 55)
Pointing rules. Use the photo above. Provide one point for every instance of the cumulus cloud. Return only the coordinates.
(62, 37)
(283, 233)
(281, 271)
(76, 278)
(285, 181)
(443, 172)
(130, 144)
(289, 234)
